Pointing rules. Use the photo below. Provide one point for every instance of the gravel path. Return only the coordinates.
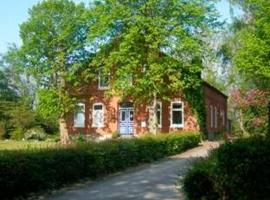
(155, 181)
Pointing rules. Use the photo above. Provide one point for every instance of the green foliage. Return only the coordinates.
(55, 51)
(252, 42)
(33, 170)
(199, 181)
(152, 48)
(237, 170)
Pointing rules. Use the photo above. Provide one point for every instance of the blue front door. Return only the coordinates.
(126, 118)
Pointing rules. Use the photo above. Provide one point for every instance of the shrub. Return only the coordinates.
(199, 182)
(235, 171)
(25, 171)
(243, 169)
(17, 134)
(36, 133)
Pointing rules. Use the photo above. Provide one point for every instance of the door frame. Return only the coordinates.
(127, 107)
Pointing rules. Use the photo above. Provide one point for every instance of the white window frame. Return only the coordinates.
(76, 124)
(93, 116)
(160, 115)
(216, 117)
(211, 116)
(179, 109)
(100, 87)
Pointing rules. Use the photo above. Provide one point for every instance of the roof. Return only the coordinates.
(215, 89)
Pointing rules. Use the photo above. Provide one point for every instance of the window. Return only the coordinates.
(159, 114)
(222, 115)
(79, 116)
(212, 116)
(98, 115)
(177, 115)
(103, 80)
(216, 117)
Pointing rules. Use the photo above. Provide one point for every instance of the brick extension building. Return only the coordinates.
(101, 116)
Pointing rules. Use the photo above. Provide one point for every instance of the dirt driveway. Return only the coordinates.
(151, 181)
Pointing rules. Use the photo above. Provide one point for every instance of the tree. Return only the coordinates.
(252, 37)
(55, 51)
(152, 49)
(250, 110)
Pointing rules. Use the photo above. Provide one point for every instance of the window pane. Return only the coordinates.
(177, 105)
(79, 117)
(158, 117)
(177, 117)
(131, 116)
(97, 107)
(123, 115)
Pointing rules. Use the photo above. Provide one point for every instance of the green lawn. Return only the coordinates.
(11, 144)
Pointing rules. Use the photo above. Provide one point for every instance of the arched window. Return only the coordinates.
(98, 115)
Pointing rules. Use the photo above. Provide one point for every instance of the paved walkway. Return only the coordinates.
(155, 181)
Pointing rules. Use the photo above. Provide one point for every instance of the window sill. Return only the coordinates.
(97, 126)
(176, 126)
(103, 88)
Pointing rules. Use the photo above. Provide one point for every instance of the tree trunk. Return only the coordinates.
(64, 138)
(153, 126)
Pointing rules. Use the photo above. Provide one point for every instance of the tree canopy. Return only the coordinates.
(157, 45)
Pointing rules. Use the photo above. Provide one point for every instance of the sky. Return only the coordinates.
(15, 12)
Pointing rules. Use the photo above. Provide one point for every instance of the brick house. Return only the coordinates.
(101, 116)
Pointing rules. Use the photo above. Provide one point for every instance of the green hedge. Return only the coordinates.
(240, 170)
(26, 171)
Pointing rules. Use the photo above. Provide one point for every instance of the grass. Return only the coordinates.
(17, 145)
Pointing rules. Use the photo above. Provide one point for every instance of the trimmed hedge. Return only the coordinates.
(27, 171)
(240, 170)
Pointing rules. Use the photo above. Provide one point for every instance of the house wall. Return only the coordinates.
(215, 99)
(91, 95)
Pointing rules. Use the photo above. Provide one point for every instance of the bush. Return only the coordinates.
(36, 133)
(199, 182)
(236, 171)
(27, 171)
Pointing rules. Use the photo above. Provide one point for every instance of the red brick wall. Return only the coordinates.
(214, 98)
(90, 95)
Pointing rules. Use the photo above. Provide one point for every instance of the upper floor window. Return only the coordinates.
(79, 116)
(177, 114)
(98, 115)
(103, 80)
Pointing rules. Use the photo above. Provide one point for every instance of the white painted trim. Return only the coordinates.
(103, 115)
(171, 115)
(75, 124)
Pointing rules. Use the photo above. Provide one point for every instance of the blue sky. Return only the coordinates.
(14, 12)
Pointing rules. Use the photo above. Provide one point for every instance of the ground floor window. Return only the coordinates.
(177, 114)
(79, 116)
(216, 117)
(159, 114)
(98, 115)
(211, 116)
